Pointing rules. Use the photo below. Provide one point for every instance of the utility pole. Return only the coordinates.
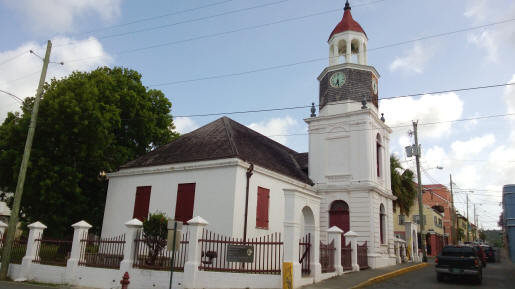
(475, 221)
(420, 205)
(454, 230)
(13, 221)
(468, 220)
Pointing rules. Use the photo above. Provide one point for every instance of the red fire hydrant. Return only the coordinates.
(125, 281)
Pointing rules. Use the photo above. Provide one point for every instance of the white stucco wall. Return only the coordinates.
(219, 195)
(276, 183)
(214, 193)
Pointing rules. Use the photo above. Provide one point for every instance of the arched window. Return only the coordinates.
(382, 223)
(379, 157)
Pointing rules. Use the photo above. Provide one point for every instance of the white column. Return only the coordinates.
(292, 236)
(315, 267)
(3, 227)
(132, 228)
(36, 232)
(404, 252)
(336, 54)
(353, 239)
(334, 234)
(361, 55)
(191, 280)
(80, 231)
(348, 52)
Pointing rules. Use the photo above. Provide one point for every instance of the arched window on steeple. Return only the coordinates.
(379, 156)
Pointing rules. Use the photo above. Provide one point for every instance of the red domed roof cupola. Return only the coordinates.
(347, 23)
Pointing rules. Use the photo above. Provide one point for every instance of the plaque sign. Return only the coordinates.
(240, 253)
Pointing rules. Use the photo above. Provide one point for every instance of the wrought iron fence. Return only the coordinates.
(347, 257)
(304, 254)
(267, 254)
(19, 247)
(102, 252)
(327, 252)
(52, 252)
(154, 255)
(362, 256)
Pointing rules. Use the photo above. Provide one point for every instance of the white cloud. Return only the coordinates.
(427, 109)
(476, 9)
(414, 60)
(492, 40)
(275, 128)
(470, 148)
(184, 124)
(20, 76)
(57, 16)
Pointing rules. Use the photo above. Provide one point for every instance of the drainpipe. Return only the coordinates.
(249, 174)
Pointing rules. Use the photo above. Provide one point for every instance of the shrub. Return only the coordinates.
(155, 233)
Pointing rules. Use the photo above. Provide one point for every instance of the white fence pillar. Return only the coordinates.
(132, 228)
(3, 227)
(195, 227)
(80, 230)
(352, 237)
(404, 253)
(397, 250)
(36, 232)
(334, 234)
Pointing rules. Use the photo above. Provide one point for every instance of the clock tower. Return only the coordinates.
(349, 145)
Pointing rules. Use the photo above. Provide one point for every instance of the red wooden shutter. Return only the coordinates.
(185, 202)
(142, 203)
(263, 202)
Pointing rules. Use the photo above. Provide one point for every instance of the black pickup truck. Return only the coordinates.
(459, 261)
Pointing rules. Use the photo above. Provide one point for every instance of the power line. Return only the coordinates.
(13, 58)
(12, 95)
(151, 18)
(253, 27)
(384, 98)
(187, 21)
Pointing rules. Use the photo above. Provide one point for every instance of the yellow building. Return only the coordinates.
(433, 220)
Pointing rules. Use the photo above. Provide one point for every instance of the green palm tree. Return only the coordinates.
(403, 185)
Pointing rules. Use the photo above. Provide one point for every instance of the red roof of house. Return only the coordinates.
(347, 23)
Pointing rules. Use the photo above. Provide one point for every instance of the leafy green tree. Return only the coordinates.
(155, 234)
(403, 185)
(88, 122)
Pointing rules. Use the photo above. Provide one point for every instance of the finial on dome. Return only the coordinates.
(347, 5)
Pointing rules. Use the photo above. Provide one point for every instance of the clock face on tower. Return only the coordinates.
(337, 80)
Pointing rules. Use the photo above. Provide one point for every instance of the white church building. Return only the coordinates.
(343, 180)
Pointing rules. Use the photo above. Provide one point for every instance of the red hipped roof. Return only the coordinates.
(347, 23)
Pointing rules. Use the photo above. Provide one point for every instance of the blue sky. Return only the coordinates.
(479, 153)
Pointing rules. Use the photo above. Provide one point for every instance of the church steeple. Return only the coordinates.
(347, 39)
(348, 80)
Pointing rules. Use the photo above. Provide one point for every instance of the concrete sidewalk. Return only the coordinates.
(353, 279)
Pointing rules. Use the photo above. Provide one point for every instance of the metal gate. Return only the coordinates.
(363, 256)
(347, 257)
(304, 254)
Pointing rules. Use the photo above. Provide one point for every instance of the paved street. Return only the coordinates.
(495, 276)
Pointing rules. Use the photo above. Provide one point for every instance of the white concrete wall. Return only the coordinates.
(47, 274)
(214, 193)
(276, 183)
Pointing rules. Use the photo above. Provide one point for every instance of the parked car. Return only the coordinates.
(490, 253)
(459, 261)
(482, 254)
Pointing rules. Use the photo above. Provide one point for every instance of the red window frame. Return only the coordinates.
(185, 202)
(141, 203)
(262, 208)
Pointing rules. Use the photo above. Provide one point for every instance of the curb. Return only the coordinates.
(389, 275)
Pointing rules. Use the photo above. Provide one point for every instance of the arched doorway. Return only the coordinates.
(339, 217)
